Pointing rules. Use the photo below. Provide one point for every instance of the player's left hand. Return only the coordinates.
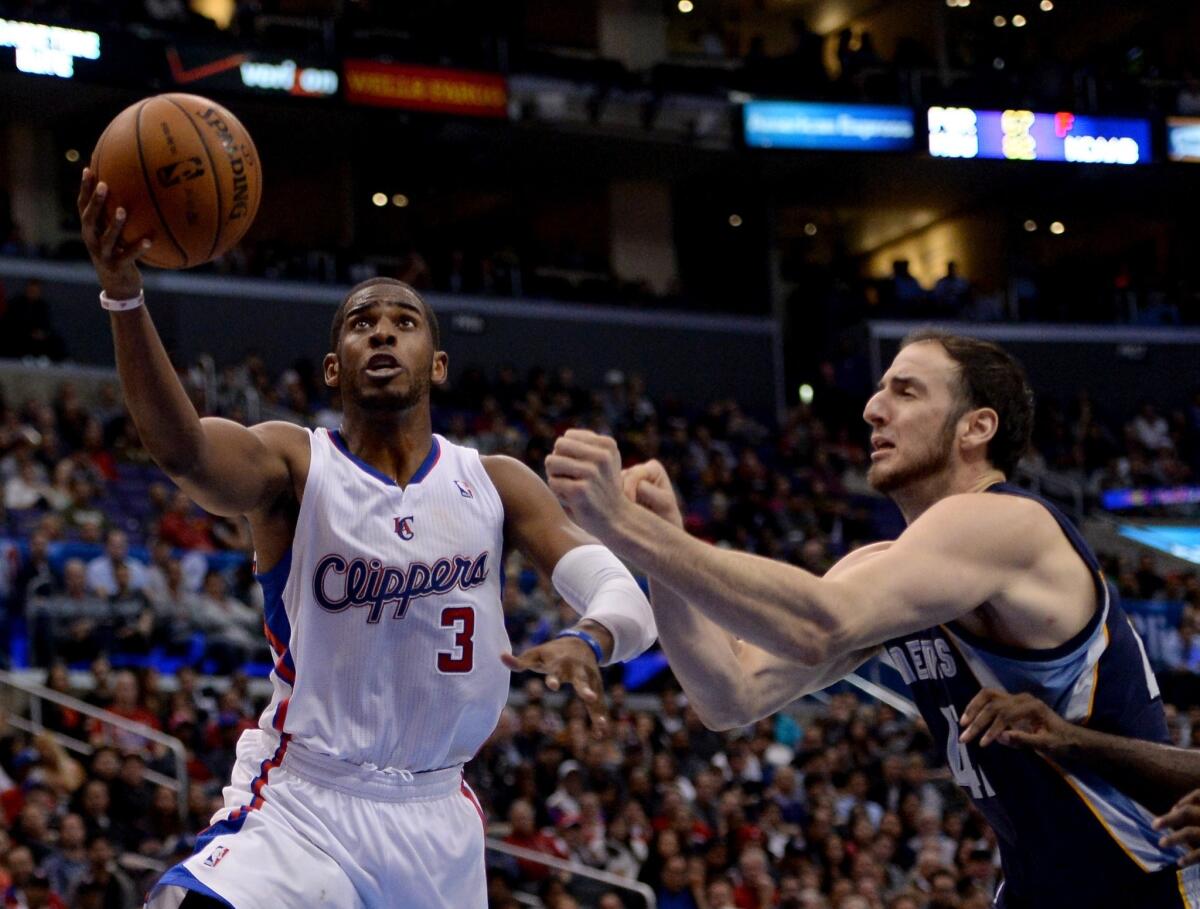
(1184, 821)
(1016, 720)
(569, 661)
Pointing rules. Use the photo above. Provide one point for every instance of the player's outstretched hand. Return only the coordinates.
(1183, 820)
(649, 485)
(567, 661)
(584, 472)
(1016, 720)
(116, 265)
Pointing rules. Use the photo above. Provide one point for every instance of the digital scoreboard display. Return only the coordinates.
(1025, 135)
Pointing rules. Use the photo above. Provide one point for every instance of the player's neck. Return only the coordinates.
(915, 499)
(395, 444)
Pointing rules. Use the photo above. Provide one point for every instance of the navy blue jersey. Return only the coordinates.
(1067, 836)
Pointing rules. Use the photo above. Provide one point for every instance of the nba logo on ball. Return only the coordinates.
(404, 528)
(214, 857)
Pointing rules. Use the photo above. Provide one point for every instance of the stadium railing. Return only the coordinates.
(35, 695)
(603, 878)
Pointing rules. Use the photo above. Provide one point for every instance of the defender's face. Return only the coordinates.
(385, 358)
(911, 417)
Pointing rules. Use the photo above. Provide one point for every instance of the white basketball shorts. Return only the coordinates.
(304, 830)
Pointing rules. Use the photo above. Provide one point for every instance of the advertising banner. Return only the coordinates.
(840, 127)
(208, 69)
(451, 91)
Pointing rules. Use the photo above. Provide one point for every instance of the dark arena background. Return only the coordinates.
(700, 226)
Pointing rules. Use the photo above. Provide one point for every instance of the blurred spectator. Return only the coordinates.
(102, 570)
(26, 329)
(104, 885)
(182, 527)
(69, 863)
(126, 704)
(72, 623)
(525, 834)
(234, 630)
(951, 293)
(907, 295)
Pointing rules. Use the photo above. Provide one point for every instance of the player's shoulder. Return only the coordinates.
(1010, 522)
(507, 473)
(516, 483)
(282, 436)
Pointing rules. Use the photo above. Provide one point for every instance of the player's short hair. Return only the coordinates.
(989, 376)
(339, 317)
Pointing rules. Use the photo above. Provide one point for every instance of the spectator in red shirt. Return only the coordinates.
(127, 704)
(183, 529)
(527, 836)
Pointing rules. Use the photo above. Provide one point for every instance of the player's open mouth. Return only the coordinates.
(383, 366)
(879, 447)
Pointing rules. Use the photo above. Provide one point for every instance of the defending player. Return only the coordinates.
(988, 586)
(1162, 777)
(381, 551)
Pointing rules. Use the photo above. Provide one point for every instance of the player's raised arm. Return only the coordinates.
(729, 682)
(227, 468)
(965, 551)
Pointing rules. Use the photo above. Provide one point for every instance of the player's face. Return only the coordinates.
(913, 417)
(385, 358)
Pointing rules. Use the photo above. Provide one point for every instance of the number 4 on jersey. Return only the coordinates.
(959, 759)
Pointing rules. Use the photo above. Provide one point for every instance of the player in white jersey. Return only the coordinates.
(381, 552)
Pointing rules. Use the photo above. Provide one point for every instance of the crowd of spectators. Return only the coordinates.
(837, 807)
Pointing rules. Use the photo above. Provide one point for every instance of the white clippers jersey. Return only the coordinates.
(385, 617)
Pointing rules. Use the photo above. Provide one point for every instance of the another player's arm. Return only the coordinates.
(1157, 775)
(590, 579)
(227, 468)
(965, 550)
(729, 683)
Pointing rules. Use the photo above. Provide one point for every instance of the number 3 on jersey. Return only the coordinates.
(462, 657)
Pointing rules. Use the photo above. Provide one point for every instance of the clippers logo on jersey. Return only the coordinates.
(214, 857)
(464, 489)
(339, 583)
(404, 528)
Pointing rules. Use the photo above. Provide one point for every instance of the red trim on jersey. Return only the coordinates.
(260, 781)
(466, 791)
(282, 669)
(280, 717)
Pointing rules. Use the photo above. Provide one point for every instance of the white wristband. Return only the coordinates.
(122, 305)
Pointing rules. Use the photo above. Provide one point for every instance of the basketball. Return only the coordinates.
(187, 173)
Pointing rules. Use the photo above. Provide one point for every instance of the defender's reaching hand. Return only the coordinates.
(649, 485)
(584, 472)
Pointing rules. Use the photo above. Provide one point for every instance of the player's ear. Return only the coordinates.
(330, 365)
(981, 426)
(441, 367)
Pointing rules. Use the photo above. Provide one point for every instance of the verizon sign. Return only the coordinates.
(249, 71)
(290, 78)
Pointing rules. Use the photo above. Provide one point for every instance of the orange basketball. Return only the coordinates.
(187, 173)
